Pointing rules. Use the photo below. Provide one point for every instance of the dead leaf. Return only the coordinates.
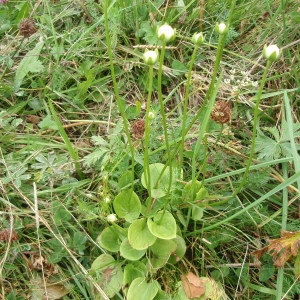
(281, 249)
(193, 285)
(8, 235)
(49, 291)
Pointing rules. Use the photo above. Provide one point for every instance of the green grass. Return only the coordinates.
(72, 152)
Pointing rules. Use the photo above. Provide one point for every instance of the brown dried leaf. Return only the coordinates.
(49, 291)
(8, 234)
(38, 262)
(281, 249)
(193, 285)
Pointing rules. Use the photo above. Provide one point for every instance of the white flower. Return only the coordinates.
(221, 28)
(107, 199)
(271, 52)
(111, 218)
(150, 57)
(198, 38)
(151, 115)
(166, 33)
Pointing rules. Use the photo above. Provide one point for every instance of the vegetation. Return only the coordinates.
(149, 149)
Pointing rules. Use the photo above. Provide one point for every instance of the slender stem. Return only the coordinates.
(254, 131)
(208, 103)
(116, 89)
(162, 112)
(147, 133)
(185, 103)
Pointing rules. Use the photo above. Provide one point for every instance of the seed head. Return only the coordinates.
(27, 27)
(138, 129)
(221, 112)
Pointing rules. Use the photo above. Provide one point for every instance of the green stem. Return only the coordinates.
(115, 85)
(254, 131)
(185, 104)
(147, 134)
(162, 112)
(208, 103)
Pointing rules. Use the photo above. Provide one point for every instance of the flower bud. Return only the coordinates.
(111, 218)
(150, 57)
(198, 38)
(271, 52)
(166, 33)
(221, 28)
(151, 115)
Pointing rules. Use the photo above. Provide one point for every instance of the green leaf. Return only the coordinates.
(267, 148)
(134, 270)
(29, 63)
(178, 67)
(130, 253)
(272, 148)
(126, 179)
(60, 214)
(111, 238)
(139, 235)
(108, 274)
(161, 251)
(197, 213)
(48, 123)
(190, 190)
(163, 225)
(141, 289)
(127, 205)
(159, 184)
(266, 272)
(180, 250)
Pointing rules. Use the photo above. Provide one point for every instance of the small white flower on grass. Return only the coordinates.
(151, 115)
(150, 57)
(166, 33)
(221, 28)
(111, 218)
(107, 199)
(198, 38)
(271, 52)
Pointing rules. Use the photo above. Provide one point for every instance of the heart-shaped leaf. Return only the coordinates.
(139, 236)
(141, 289)
(130, 253)
(161, 251)
(111, 238)
(159, 184)
(127, 205)
(108, 274)
(163, 225)
(179, 251)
